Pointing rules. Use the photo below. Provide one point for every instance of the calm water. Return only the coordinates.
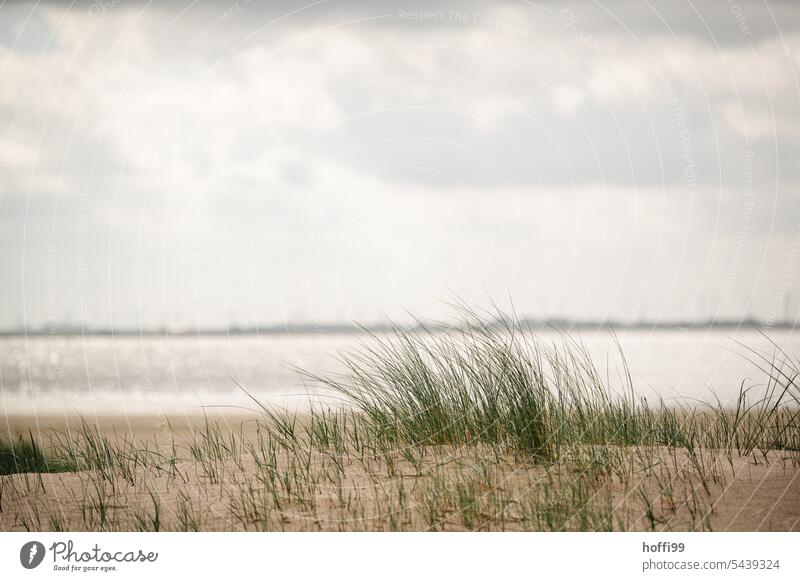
(131, 375)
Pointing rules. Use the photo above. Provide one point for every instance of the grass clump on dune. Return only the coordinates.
(475, 385)
(495, 382)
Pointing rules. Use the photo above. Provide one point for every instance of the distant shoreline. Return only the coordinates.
(347, 328)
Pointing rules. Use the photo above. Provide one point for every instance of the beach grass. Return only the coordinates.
(479, 426)
(25, 455)
(496, 383)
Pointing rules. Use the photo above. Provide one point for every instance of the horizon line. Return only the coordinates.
(556, 323)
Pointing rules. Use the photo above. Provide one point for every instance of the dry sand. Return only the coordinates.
(442, 488)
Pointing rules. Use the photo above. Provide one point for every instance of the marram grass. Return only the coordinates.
(25, 455)
(498, 384)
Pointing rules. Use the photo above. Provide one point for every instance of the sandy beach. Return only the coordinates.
(237, 474)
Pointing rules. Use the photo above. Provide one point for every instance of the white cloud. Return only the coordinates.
(292, 147)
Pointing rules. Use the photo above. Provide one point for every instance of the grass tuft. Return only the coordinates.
(25, 455)
(496, 383)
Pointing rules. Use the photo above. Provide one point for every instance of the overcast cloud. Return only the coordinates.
(213, 163)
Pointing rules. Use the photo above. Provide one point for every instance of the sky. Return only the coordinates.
(213, 164)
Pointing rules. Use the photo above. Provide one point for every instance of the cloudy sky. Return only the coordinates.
(211, 163)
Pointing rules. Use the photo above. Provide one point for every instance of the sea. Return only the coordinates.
(190, 374)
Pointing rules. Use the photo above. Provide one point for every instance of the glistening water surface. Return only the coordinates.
(179, 374)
